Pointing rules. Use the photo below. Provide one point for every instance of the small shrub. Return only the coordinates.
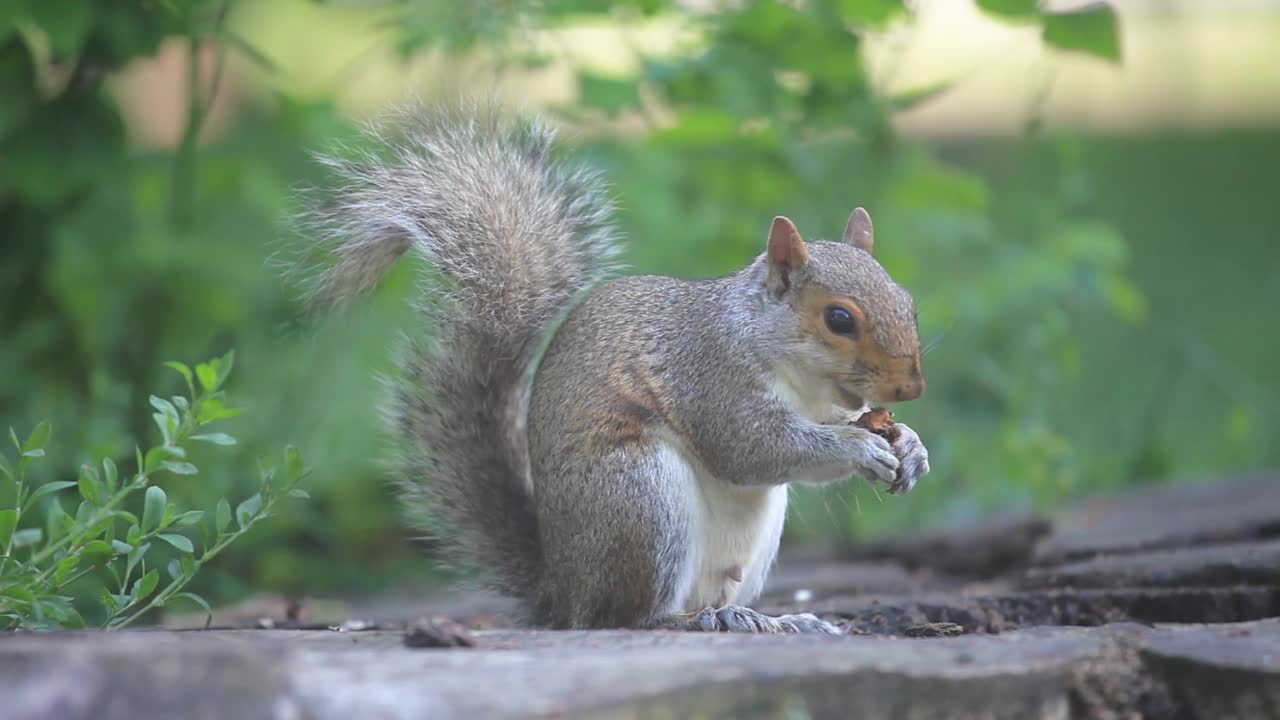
(45, 549)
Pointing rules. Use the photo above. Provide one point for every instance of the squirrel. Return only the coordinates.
(612, 451)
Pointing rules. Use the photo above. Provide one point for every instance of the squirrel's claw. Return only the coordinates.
(913, 460)
(737, 618)
(876, 461)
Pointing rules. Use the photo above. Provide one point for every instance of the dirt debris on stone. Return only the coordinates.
(938, 629)
(437, 633)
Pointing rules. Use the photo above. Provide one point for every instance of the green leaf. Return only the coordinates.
(134, 534)
(215, 438)
(870, 12)
(56, 521)
(14, 437)
(65, 566)
(99, 549)
(18, 592)
(39, 438)
(300, 493)
(1019, 9)
(57, 607)
(30, 536)
(125, 515)
(145, 585)
(46, 489)
(167, 419)
(90, 486)
(111, 474)
(248, 509)
(136, 555)
(214, 408)
(910, 99)
(1092, 29)
(208, 377)
(208, 612)
(114, 602)
(190, 517)
(179, 468)
(222, 516)
(223, 365)
(185, 372)
(155, 456)
(153, 508)
(293, 467)
(179, 541)
(8, 521)
(121, 548)
(5, 467)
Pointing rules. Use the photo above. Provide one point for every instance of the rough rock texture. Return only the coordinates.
(1162, 604)
(1228, 564)
(1221, 671)
(1187, 515)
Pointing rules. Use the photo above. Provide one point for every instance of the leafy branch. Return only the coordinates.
(102, 536)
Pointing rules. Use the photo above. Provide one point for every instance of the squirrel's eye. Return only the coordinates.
(840, 321)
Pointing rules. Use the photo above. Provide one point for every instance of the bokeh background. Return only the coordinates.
(1082, 197)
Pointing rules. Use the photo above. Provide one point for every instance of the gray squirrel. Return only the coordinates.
(611, 451)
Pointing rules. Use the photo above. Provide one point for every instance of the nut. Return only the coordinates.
(880, 421)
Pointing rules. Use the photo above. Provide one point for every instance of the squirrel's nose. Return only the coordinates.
(909, 390)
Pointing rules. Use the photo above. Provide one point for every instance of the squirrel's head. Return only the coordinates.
(852, 325)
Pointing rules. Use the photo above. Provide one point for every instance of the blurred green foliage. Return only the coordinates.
(116, 257)
(103, 564)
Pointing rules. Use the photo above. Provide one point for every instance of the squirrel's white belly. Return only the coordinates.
(733, 535)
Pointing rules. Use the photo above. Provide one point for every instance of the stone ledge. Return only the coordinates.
(1154, 518)
(286, 675)
(1240, 563)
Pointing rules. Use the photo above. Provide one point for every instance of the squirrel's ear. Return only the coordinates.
(859, 232)
(787, 254)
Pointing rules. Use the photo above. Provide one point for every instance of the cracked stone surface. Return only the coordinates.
(1164, 603)
(283, 674)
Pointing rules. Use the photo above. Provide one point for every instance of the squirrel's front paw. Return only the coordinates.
(874, 459)
(739, 619)
(913, 460)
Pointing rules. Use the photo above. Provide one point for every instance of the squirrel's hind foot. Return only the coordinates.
(736, 618)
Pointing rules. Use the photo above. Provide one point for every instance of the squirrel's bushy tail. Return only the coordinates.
(514, 234)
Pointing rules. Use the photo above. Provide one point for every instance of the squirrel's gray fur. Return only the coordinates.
(516, 234)
(641, 473)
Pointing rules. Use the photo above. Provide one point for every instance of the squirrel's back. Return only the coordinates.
(516, 235)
